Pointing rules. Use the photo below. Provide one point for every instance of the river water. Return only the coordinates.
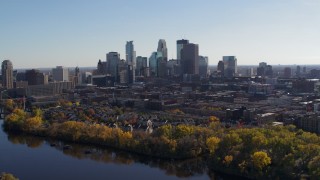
(32, 158)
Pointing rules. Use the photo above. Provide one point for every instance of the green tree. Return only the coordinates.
(212, 144)
(260, 160)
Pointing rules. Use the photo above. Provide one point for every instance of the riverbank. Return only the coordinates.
(271, 152)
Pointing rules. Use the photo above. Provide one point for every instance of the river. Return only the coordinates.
(30, 158)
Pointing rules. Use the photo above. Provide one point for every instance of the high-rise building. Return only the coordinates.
(130, 53)
(190, 59)
(203, 66)
(113, 59)
(7, 74)
(153, 63)
(264, 70)
(101, 68)
(220, 69)
(180, 44)
(60, 73)
(298, 71)
(230, 66)
(131, 60)
(142, 63)
(172, 67)
(162, 47)
(35, 77)
(287, 72)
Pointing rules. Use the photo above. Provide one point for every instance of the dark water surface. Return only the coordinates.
(30, 158)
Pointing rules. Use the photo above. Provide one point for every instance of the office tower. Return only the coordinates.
(77, 76)
(7, 74)
(298, 71)
(101, 67)
(162, 47)
(230, 66)
(35, 77)
(123, 72)
(304, 70)
(113, 59)
(153, 63)
(203, 66)
(172, 67)
(130, 53)
(190, 59)
(86, 78)
(142, 63)
(264, 70)
(180, 44)
(287, 72)
(60, 73)
(220, 69)
(131, 58)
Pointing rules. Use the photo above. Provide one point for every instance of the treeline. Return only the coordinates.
(270, 152)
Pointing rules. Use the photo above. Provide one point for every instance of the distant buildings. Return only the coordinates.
(264, 70)
(162, 47)
(220, 69)
(287, 72)
(203, 66)
(180, 44)
(7, 74)
(230, 66)
(131, 61)
(190, 59)
(35, 77)
(153, 63)
(60, 73)
(142, 64)
(113, 59)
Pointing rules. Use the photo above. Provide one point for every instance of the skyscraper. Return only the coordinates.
(264, 70)
(180, 44)
(113, 59)
(130, 53)
(60, 73)
(162, 47)
(131, 60)
(142, 63)
(190, 59)
(220, 69)
(230, 66)
(7, 74)
(153, 63)
(203, 66)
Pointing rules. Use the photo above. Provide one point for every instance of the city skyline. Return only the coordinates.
(46, 34)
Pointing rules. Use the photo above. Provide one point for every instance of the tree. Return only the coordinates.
(7, 176)
(9, 104)
(214, 119)
(227, 160)
(260, 160)
(212, 144)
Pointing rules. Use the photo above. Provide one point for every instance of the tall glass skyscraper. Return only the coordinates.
(162, 47)
(130, 53)
(230, 66)
(131, 60)
(180, 44)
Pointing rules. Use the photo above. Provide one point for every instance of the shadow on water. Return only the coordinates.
(178, 168)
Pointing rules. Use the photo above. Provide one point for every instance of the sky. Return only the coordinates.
(38, 33)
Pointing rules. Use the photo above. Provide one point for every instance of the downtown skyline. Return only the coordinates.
(79, 33)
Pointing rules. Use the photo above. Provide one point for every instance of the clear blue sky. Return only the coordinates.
(46, 33)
